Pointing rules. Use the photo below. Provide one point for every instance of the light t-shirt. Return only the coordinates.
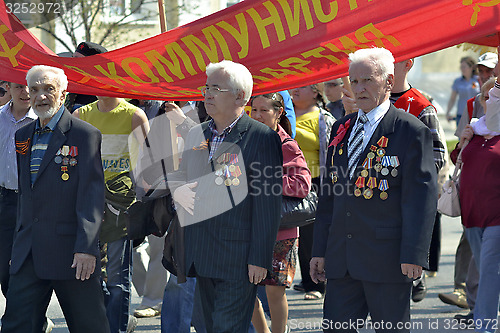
(307, 136)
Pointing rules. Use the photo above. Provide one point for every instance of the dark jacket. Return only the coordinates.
(58, 218)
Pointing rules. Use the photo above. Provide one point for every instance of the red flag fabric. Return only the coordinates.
(284, 43)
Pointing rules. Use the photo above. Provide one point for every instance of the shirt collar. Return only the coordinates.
(7, 108)
(377, 113)
(55, 119)
(226, 130)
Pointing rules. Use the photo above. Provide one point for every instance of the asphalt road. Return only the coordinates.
(430, 315)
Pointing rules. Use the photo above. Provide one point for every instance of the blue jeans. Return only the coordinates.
(117, 288)
(485, 245)
(180, 307)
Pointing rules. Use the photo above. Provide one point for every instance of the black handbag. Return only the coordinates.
(297, 212)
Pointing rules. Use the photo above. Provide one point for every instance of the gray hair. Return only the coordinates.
(380, 57)
(239, 77)
(62, 79)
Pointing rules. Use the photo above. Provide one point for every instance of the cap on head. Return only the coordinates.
(488, 59)
(89, 48)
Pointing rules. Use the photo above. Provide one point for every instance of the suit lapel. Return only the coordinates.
(56, 141)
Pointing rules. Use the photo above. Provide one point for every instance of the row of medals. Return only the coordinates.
(381, 166)
(226, 168)
(66, 156)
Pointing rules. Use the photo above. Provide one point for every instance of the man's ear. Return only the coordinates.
(63, 96)
(390, 81)
(409, 64)
(240, 97)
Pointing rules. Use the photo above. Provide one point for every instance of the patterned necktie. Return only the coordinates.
(356, 144)
(44, 130)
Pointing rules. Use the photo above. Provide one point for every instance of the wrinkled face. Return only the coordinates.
(369, 86)
(263, 111)
(6, 97)
(220, 103)
(485, 73)
(46, 95)
(333, 91)
(20, 95)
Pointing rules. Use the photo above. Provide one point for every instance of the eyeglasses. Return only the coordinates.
(2, 92)
(212, 90)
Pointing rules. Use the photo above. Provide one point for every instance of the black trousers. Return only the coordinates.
(305, 251)
(435, 249)
(28, 296)
(348, 302)
(227, 304)
(8, 211)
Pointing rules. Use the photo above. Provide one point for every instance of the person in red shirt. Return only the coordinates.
(479, 197)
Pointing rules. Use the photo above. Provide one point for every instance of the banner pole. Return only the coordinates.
(173, 130)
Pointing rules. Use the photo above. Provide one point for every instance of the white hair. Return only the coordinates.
(62, 79)
(380, 57)
(239, 77)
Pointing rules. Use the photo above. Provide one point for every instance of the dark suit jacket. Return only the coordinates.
(371, 238)
(232, 226)
(58, 218)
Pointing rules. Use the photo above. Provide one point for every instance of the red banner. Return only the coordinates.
(284, 43)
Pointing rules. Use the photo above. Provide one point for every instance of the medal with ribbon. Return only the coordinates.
(372, 183)
(233, 159)
(394, 164)
(367, 165)
(236, 173)
(64, 170)
(386, 161)
(360, 183)
(73, 152)
(383, 186)
(227, 176)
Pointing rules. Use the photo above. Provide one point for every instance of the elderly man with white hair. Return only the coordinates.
(375, 217)
(229, 200)
(61, 196)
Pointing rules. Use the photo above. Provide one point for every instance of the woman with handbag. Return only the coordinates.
(479, 200)
(269, 110)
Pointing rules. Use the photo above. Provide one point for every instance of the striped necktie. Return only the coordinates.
(356, 144)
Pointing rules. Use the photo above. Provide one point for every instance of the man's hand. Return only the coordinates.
(349, 101)
(85, 265)
(317, 269)
(184, 196)
(412, 271)
(256, 274)
(174, 113)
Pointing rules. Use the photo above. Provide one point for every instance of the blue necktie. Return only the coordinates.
(356, 145)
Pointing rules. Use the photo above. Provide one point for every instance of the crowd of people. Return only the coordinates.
(373, 152)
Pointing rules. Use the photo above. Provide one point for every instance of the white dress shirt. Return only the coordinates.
(374, 118)
(8, 127)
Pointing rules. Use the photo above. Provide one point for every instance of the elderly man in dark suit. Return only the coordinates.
(374, 220)
(61, 195)
(230, 200)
